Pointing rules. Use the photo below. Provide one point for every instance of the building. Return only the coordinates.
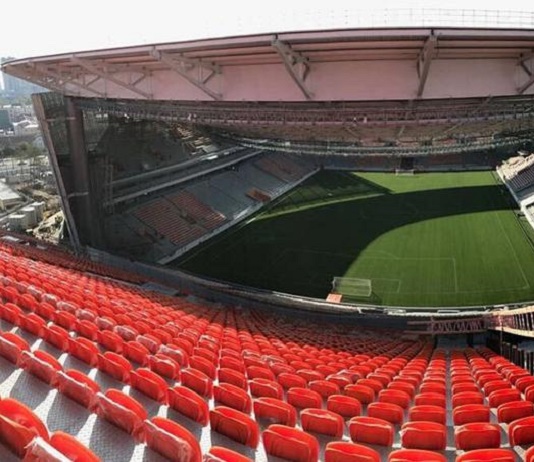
(14, 86)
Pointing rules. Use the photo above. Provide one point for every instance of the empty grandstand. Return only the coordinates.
(296, 246)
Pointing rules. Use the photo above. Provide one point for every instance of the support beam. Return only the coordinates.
(523, 88)
(526, 56)
(62, 82)
(185, 67)
(95, 69)
(296, 65)
(424, 61)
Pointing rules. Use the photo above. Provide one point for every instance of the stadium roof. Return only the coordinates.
(316, 65)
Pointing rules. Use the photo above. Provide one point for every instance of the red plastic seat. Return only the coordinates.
(290, 444)
(477, 435)
(433, 387)
(65, 319)
(275, 410)
(521, 431)
(150, 384)
(424, 435)
(84, 349)
(231, 396)
(234, 377)
(386, 411)
(345, 406)
(19, 426)
(197, 381)
(499, 397)
(464, 386)
(265, 388)
(171, 440)
(468, 413)
(33, 324)
(41, 451)
(376, 385)
(324, 388)
(220, 454)
(42, 365)
(415, 455)
(115, 365)
(339, 451)
(78, 387)
(370, 430)
(398, 397)
(303, 398)
(57, 336)
(488, 455)
(204, 365)
(289, 380)
(110, 341)
(121, 410)
(164, 365)
(406, 387)
(432, 399)
(12, 346)
(11, 313)
(428, 413)
(362, 393)
(524, 382)
(87, 329)
(235, 425)
(467, 397)
(322, 421)
(135, 351)
(189, 403)
(493, 385)
(513, 410)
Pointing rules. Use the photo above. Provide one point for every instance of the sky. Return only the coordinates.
(36, 27)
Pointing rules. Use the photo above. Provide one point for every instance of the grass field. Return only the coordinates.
(435, 239)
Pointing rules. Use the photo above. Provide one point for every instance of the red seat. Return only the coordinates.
(324, 388)
(508, 412)
(275, 410)
(362, 393)
(12, 346)
(42, 365)
(345, 406)
(235, 425)
(428, 413)
(33, 324)
(521, 431)
(110, 341)
(84, 349)
(171, 440)
(403, 386)
(87, 329)
(303, 398)
(433, 387)
(339, 451)
(198, 381)
(266, 388)
(469, 413)
(65, 319)
(398, 397)
(488, 455)
(164, 365)
(232, 396)
(493, 385)
(424, 435)
(115, 365)
(464, 386)
(189, 403)
(370, 430)
(151, 342)
(121, 410)
(477, 435)
(204, 365)
(386, 411)
(150, 384)
(499, 397)
(432, 399)
(135, 351)
(19, 426)
(41, 451)
(467, 397)
(57, 336)
(376, 385)
(289, 380)
(290, 443)
(524, 382)
(234, 377)
(322, 421)
(220, 454)
(11, 313)
(78, 387)
(415, 455)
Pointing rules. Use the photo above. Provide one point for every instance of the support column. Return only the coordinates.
(80, 194)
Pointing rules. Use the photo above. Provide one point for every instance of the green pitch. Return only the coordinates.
(434, 239)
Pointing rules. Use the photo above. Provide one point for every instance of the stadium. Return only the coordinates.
(303, 245)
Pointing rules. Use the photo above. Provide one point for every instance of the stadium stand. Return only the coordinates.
(154, 374)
